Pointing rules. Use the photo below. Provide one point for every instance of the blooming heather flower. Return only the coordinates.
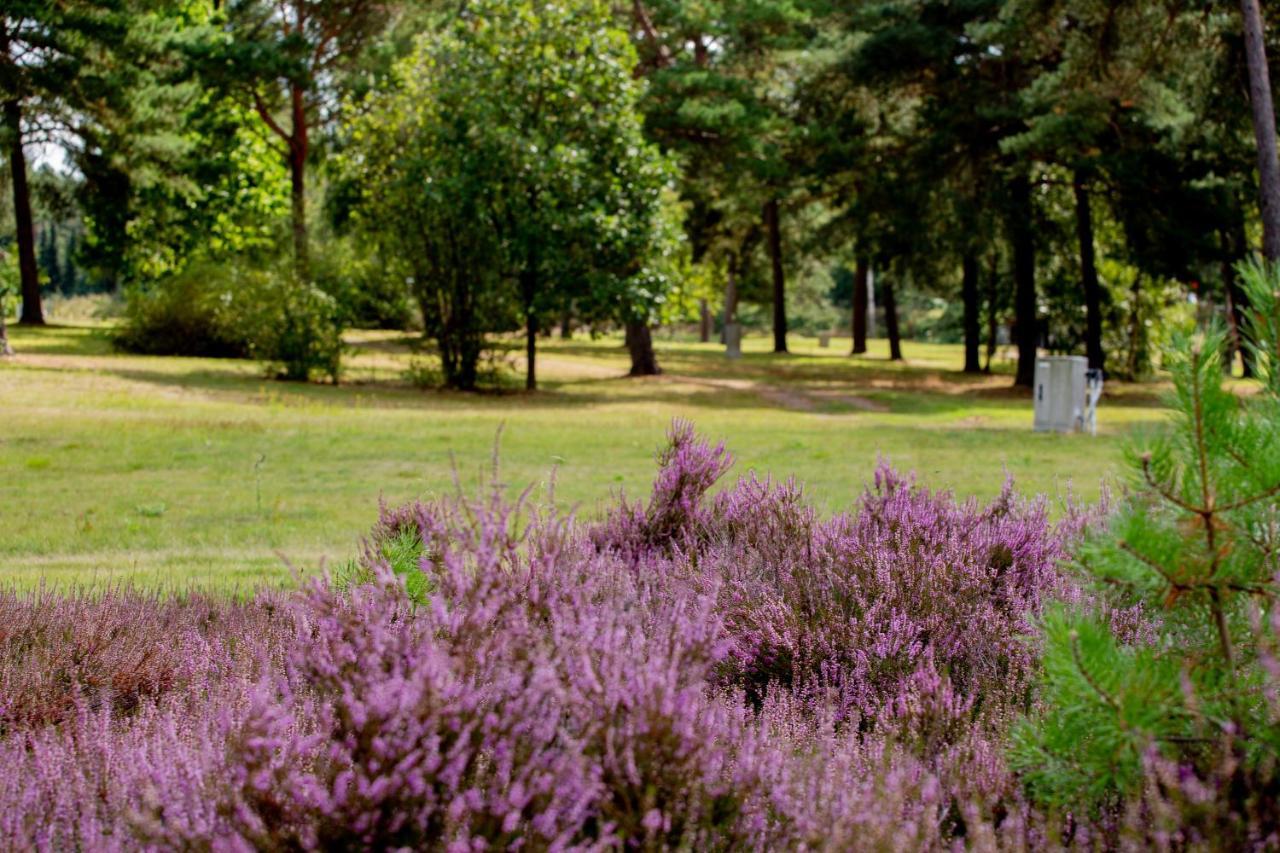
(691, 671)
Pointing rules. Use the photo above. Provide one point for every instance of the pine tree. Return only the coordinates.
(1196, 548)
(1260, 282)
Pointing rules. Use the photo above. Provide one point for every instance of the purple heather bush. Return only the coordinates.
(697, 670)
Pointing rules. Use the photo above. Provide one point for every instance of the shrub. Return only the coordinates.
(230, 310)
(192, 313)
(116, 651)
(368, 294)
(294, 328)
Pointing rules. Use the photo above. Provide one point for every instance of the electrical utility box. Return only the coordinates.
(1061, 393)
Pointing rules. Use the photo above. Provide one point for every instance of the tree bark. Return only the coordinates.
(531, 351)
(298, 149)
(1024, 275)
(891, 319)
(1089, 277)
(1264, 128)
(1135, 328)
(860, 308)
(640, 345)
(566, 326)
(704, 321)
(32, 310)
(993, 293)
(731, 297)
(972, 309)
(5, 349)
(779, 278)
(528, 293)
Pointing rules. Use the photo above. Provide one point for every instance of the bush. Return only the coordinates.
(367, 293)
(229, 310)
(295, 329)
(191, 313)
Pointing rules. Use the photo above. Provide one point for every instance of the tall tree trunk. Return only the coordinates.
(972, 310)
(891, 319)
(731, 297)
(860, 300)
(530, 350)
(993, 293)
(32, 310)
(704, 321)
(5, 349)
(732, 332)
(566, 325)
(298, 149)
(1089, 277)
(779, 278)
(1264, 128)
(528, 293)
(1135, 328)
(1024, 276)
(640, 345)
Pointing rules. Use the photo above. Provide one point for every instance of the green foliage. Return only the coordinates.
(402, 553)
(294, 328)
(367, 293)
(236, 310)
(505, 173)
(194, 312)
(1196, 548)
(1261, 284)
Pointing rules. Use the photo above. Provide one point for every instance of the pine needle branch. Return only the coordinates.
(1106, 697)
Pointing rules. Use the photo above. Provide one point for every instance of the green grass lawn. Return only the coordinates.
(180, 472)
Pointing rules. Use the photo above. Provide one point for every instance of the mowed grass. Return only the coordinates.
(183, 473)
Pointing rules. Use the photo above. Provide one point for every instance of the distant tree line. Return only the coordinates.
(1057, 173)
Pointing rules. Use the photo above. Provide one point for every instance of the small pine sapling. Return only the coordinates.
(1261, 284)
(1195, 548)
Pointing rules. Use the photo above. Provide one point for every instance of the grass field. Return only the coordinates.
(181, 472)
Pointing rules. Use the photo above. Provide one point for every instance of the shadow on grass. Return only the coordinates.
(694, 376)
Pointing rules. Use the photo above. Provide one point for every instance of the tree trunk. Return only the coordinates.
(640, 345)
(1135, 328)
(731, 298)
(530, 350)
(5, 349)
(566, 326)
(32, 310)
(1024, 276)
(993, 293)
(704, 321)
(972, 309)
(1264, 128)
(891, 319)
(1089, 278)
(779, 278)
(298, 145)
(528, 295)
(859, 308)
